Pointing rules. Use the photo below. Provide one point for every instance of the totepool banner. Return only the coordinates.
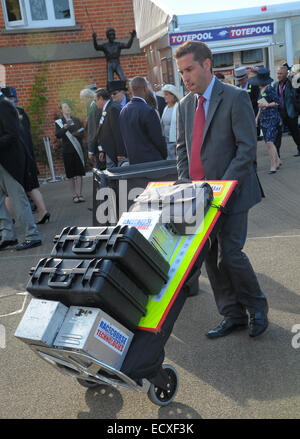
(224, 33)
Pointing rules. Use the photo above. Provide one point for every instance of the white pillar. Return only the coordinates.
(289, 42)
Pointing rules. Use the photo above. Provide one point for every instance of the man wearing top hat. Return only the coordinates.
(242, 81)
(117, 90)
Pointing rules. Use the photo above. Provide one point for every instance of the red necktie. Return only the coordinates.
(196, 167)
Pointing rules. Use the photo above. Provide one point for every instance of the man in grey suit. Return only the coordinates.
(225, 150)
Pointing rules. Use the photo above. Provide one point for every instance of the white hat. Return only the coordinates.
(172, 89)
(240, 73)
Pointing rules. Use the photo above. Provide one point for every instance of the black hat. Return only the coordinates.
(8, 92)
(262, 77)
(116, 85)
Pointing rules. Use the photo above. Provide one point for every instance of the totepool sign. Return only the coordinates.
(225, 33)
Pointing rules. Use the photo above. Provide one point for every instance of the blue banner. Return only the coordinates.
(225, 33)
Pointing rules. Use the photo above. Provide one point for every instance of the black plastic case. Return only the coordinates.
(124, 244)
(95, 283)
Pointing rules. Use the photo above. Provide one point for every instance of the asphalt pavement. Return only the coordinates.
(235, 377)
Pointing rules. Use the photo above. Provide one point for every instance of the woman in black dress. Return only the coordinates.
(70, 131)
(31, 178)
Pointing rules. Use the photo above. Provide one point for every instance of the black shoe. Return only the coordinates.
(28, 244)
(298, 154)
(226, 327)
(45, 219)
(258, 323)
(8, 243)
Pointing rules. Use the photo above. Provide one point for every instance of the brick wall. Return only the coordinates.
(66, 78)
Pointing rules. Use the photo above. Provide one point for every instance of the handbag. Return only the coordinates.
(183, 205)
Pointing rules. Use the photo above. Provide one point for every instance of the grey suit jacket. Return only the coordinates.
(229, 142)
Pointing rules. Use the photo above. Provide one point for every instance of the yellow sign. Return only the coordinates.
(186, 252)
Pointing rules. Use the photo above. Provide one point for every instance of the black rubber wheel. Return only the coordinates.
(163, 397)
(86, 383)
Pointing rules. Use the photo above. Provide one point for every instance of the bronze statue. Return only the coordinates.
(112, 51)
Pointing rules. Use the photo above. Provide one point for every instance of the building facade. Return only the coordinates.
(252, 37)
(52, 39)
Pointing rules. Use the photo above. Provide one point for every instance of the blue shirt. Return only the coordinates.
(207, 95)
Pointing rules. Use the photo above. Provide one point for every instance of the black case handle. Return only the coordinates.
(118, 232)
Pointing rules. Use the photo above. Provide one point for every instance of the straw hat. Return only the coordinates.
(172, 89)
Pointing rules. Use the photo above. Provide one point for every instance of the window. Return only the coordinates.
(222, 60)
(38, 13)
(252, 56)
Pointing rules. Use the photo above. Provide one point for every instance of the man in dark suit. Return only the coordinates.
(117, 90)
(288, 113)
(140, 127)
(161, 103)
(12, 173)
(109, 141)
(241, 78)
(215, 142)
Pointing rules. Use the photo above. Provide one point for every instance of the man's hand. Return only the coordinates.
(101, 157)
(120, 158)
(92, 158)
(133, 33)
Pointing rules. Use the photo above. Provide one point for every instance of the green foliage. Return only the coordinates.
(37, 111)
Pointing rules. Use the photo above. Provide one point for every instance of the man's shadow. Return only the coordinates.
(105, 402)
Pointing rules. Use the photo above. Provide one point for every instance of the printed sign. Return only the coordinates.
(226, 33)
(111, 336)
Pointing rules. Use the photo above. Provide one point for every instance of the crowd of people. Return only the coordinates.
(274, 108)
(124, 128)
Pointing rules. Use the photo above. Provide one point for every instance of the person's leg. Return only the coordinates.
(237, 265)
(7, 229)
(224, 293)
(273, 155)
(71, 182)
(38, 200)
(9, 207)
(120, 72)
(292, 124)
(78, 187)
(21, 207)
(277, 142)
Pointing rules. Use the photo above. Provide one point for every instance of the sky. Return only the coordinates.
(197, 6)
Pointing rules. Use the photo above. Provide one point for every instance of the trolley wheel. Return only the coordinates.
(164, 397)
(86, 383)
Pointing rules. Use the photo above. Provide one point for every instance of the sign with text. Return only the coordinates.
(225, 33)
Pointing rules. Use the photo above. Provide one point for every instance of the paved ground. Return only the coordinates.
(234, 377)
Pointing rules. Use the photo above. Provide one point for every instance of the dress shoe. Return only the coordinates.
(226, 327)
(272, 172)
(258, 323)
(298, 154)
(45, 219)
(8, 243)
(28, 244)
